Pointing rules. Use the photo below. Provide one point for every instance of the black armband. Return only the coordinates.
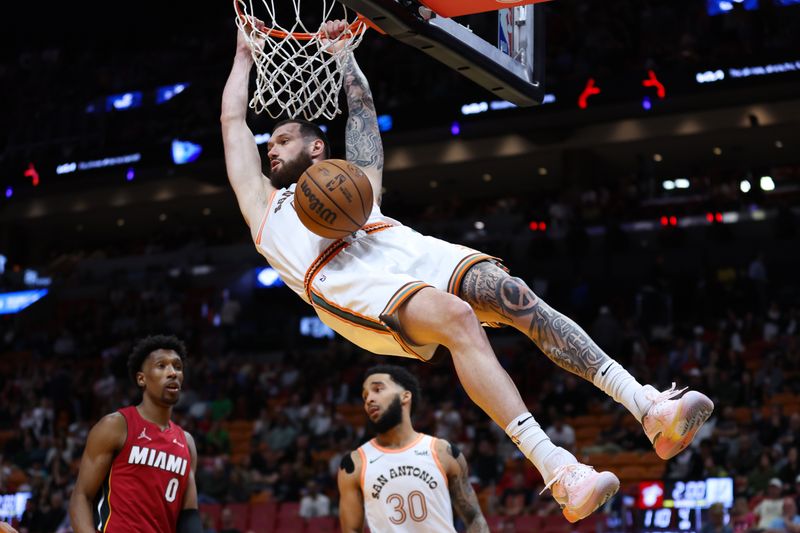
(456, 451)
(347, 464)
(189, 522)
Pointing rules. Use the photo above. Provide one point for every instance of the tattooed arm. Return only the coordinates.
(462, 495)
(363, 139)
(498, 297)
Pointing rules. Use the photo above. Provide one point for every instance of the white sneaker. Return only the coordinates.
(671, 423)
(580, 490)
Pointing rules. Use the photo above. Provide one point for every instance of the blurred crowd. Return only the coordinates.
(272, 413)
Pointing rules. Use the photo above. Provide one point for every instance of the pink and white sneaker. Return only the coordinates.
(672, 423)
(580, 490)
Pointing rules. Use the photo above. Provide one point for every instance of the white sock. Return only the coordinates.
(534, 443)
(620, 385)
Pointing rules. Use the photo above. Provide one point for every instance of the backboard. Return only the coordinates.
(512, 68)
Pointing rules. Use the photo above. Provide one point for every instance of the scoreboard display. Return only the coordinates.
(679, 506)
(13, 505)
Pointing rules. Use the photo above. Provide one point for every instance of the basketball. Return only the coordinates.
(333, 198)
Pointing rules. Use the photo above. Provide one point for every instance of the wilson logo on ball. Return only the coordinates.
(316, 205)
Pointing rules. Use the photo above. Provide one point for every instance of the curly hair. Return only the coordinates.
(144, 347)
(402, 377)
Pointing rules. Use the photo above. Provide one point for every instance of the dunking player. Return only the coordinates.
(403, 480)
(393, 291)
(144, 462)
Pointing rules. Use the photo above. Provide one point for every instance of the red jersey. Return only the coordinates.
(144, 489)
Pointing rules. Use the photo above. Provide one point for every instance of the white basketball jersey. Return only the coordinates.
(405, 490)
(288, 245)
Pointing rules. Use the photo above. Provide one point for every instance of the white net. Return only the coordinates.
(298, 69)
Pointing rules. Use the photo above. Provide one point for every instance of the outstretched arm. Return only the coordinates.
(242, 159)
(363, 138)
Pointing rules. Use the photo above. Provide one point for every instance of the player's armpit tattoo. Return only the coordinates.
(362, 136)
(488, 288)
(465, 501)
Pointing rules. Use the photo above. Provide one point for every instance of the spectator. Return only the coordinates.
(742, 519)
(727, 427)
(716, 521)
(208, 524)
(53, 513)
(287, 487)
(448, 422)
(241, 482)
(743, 453)
(31, 519)
(314, 503)
(317, 415)
(790, 468)
(771, 507)
(516, 500)
(771, 429)
(485, 463)
(759, 478)
(797, 491)
(218, 439)
(789, 521)
(561, 434)
(227, 522)
(221, 407)
(791, 435)
(606, 331)
(773, 322)
(213, 482)
(282, 434)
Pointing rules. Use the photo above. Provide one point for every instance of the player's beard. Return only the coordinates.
(290, 170)
(390, 419)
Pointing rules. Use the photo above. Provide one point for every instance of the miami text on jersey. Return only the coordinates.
(157, 459)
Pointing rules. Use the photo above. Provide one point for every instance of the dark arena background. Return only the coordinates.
(661, 213)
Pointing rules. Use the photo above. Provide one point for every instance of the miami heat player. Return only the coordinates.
(137, 471)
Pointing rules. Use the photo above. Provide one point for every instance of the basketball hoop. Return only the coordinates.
(296, 72)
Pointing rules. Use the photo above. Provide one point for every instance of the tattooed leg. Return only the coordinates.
(498, 297)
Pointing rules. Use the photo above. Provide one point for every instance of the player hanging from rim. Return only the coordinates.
(403, 480)
(144, 462)
(393, 291)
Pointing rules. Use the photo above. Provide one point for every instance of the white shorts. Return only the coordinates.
(359, 283)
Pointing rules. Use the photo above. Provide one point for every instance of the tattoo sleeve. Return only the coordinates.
(491, 290)
(465, 501)
(363, 138)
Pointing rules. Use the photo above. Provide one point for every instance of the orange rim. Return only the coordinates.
(357, 26)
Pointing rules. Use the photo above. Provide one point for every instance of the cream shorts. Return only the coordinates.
(359, 283)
